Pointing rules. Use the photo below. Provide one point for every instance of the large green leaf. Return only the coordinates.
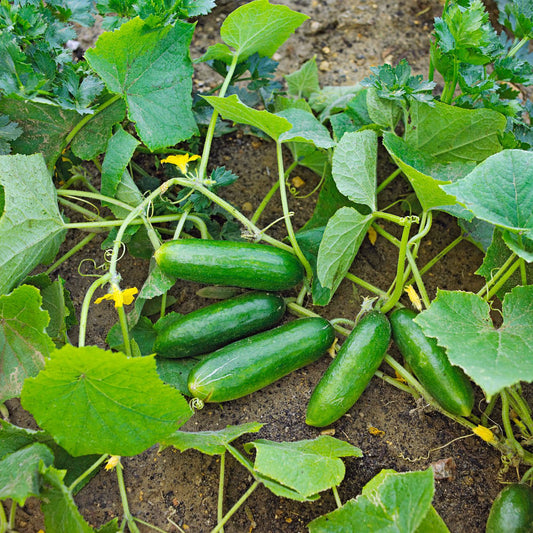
(342, 238)
(210, 442)
(109, 403)
(257, 27)
(354, 167)
(25, 343)
(31, 227)
(500, 191)
(150, 66)
(305, 128)
(19, 472)
(493, 357)
(307, 466)
(389, 503)
(451, 133)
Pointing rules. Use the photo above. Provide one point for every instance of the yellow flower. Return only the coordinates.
(113, 461)
(180, 161)
(485, 433)
(120, 297)
(413, 296)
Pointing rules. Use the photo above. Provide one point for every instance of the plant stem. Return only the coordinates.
(124, 328)
(496, 287)
(87, 472)
(497, 276)
(395, 383)
(79, 209)
(264, 202)
(387, 180)
(70, 193)
(369, 287)
(86, 240)
(124, 498)
(3, 518)
(337, 497)
(12, 515)
(300, 311)
(147, 524)
(507, 424)
(212, 123)
(517, 46)
(232, 511)
(401, 221)
(488, 410)
(522, 408)
(288, 223)
(418, 278)
(85, 306)
(523, 272)
(220, 505)
(181, 222)
(118, 222)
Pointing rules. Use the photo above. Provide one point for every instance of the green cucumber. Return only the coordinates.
(446, 383)
(351, 370)
(512, 510)
(250, 364)
(239, 264)
(216, 325)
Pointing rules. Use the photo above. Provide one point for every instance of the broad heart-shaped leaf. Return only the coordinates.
(307, 466)
(23, 338)
(109, 403)
(354, 167)
(150, 67)
(493, 358)
(45, 126)
(58, 505)
(209, 442)
(381, 111)
(342, 238)
(426, 173)
(19, 472)
(451, 133)
(305, 128)
(304, 81)
(231, 108)
(500, 191)
(31, 227)
(390, 503)
(92, 139)
(259, 27)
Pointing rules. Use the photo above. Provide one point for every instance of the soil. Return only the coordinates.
(178, 491)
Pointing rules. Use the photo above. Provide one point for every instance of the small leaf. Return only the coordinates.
(493, 358)
(19, 472)
(354, 167)
(259, 27)
(304, 81)
(342, 238)
(109, 403)
(307, 466)
(305, 128)
(25, 343)
(382, 111)
(9, 131)
(210, 442)
(175, 372)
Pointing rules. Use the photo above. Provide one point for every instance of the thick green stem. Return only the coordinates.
(387, 180)
(522, 408)
(3, 518)
(496, 287)
(288, 223)
(395, 383)
(79, 209)
(300, 311)
(523, 272)
(507, 425)
(94, 196)
(368, 286)
(488, 410)
(119, 221)
(418, 278)
(497, 276)
(87, 472)
(181, 222)
(336, 496)
(212, 123)
(12, 515)
(220, 503)
(86, 240)
(124, 329)
(517, 46)
(85, 307)
(264, 202)
(124, 499)
(234, 509)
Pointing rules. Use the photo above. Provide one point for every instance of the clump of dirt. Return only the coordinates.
(178, 491)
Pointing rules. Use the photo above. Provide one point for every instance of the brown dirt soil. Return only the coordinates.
(347, 38)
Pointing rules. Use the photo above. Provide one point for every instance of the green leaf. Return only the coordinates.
(143, 333)
(306, 466)
(109, 403)
(493, 357)
(451, 133)
(354, 167)
(150, 67)
(343, 236)
(44, 126)
(304, 81)
(259, 27)
(389, 503)
(31, 227)
(432, 523)
(305, 128)
(231, 108)
(426, 173)
(382, 111)
(91, 140)
(23, 338)
(500, 191)
(175, 372)
(9, 131)
(58, 505)
(19, 472)
(210, 442)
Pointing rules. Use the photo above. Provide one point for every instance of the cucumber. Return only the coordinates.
(250, 364)
(351, 370)
(446, 383)
(512, 510)
(239, 264)
(216, 325)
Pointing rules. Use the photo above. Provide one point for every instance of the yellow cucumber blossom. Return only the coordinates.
(113, 461)
(120, 297)
(180, 161)
(485, 433)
